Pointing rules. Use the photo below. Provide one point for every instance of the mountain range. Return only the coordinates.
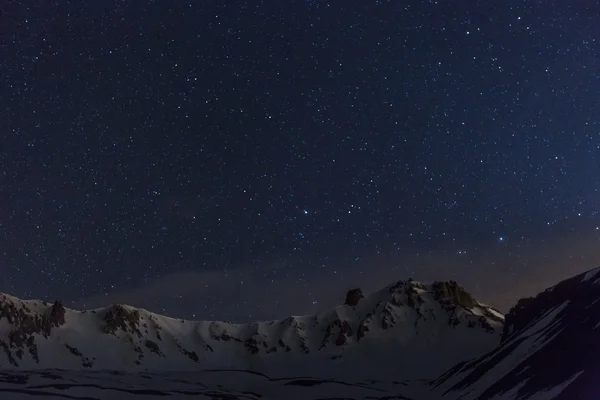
(408, 340)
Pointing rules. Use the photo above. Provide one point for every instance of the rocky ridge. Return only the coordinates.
(35, 334)
(548, 349)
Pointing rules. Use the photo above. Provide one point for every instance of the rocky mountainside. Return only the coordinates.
(549, 349)
(377, 346)
(408, 329)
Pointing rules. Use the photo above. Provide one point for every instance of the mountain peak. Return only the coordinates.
(446, 297)
(417, 320)
(451, 292)
(353, 297)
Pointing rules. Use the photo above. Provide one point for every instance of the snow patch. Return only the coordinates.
(590, 274)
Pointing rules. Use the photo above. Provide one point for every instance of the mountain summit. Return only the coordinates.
(404, 326)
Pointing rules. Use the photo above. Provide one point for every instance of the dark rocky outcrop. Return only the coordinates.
(387, 318)
(57, 314)
(363, 329)
(353, 297)
(85, 362)
(27, 323)
(226, 337)
(345, 332)
(120, 318)
(451, 292)
(254, 344)
(338, 330)
(413, 299)
(73, 350)
(153, 347)
(527, 309)
(191, 354)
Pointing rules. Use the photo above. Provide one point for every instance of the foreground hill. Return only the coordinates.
(550, 350)
(407, 329)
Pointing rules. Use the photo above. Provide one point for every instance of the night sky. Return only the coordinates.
(246, 160)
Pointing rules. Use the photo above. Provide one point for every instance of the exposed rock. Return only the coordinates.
(304, 346)
(153, 347)
(413, 299)
(454, 298)
(191, 354)
(252, 345)
(341, 340)
(396, 286)
(397, 300)
(85, 362)
(8, 353)
(362, 330)
(32, 347)
(219, 333)
(226, 337)
(353, 297)
(345, 332)
(73, 350)
(451, 292)
(388, 320)
(483, 322)
(57, 314)
(418, 285)
(338, 329)
(120, 318)
(25, 326)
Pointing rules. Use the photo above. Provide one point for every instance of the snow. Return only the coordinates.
(548, 394)
(556, 390)
(387, 346)
(496, 313)
(416, 340)
(590, 274)
(532, 342)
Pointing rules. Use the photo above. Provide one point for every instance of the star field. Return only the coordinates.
(256, 158)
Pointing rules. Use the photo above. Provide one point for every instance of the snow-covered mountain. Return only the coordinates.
(407, 330)
(550, 350)
(376, 347)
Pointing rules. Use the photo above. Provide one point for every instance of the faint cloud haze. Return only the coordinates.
(243, 294)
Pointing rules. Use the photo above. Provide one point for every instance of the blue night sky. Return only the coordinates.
(253, 159)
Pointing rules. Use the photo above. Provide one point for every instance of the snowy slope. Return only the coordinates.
(550, 350)
(406, 330)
